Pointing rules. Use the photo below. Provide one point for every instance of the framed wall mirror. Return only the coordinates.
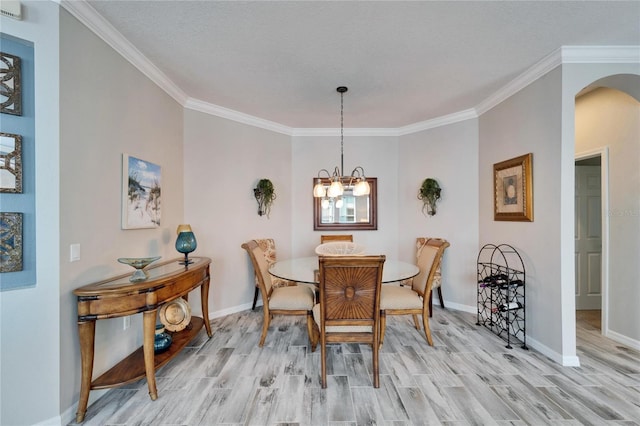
(10, 163)
(352, 213)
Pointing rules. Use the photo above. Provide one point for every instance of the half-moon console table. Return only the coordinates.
(118, 297)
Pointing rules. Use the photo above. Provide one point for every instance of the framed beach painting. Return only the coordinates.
(141, 193)
(513, 189)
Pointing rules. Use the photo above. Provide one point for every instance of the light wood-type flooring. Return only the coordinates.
(467, 378)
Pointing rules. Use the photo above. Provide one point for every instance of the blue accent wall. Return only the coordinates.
(24, 203)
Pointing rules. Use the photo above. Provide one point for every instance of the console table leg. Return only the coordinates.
(149, 330)
(204, 296)
(87, 333)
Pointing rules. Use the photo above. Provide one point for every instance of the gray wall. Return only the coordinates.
(450, 155)
(224, 160)
(108, 108)
(29, 330)
(530, 121)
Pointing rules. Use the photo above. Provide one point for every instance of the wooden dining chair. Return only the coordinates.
(285, 300)
(335, 237)
(349, 308)
(437, 279)
(414, 300)
(268, 247)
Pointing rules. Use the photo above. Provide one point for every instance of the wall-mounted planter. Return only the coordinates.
(265, 194)
(429, 194)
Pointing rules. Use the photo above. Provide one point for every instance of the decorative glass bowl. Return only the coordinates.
(340, 248)
(139, 263)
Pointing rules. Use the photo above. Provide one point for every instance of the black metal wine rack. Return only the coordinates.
(501, 292)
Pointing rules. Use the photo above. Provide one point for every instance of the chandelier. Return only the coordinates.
(335, 187)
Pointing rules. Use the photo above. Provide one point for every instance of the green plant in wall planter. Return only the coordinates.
(429, 194)
(265, 193)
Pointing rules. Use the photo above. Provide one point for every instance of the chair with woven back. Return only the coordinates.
(268, 247)
(437, 279)
(335, 237)
(349, 308)
(415, 300)
(284, 300)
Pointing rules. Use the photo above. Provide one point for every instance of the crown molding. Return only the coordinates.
(563, 55)
(328, 131)
(240, 117)
(600, 54)
(455, 117)
(88, 16)
(538, 70)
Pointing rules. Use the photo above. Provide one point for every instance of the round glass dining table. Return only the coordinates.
(305, 270)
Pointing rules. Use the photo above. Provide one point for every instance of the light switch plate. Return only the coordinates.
(74, 252)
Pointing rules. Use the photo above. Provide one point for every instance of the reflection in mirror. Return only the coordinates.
(347, 212)
(10, 163)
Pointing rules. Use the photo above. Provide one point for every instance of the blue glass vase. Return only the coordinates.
(186, 242)
(162, 341)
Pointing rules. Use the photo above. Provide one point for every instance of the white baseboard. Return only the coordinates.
(627, 341)
(232, 310)
(565, 361)
(69, 415)
(460, 307)
(53, 421)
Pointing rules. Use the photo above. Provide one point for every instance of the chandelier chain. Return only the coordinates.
(341, 133)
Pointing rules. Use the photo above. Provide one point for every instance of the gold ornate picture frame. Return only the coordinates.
(513, 189)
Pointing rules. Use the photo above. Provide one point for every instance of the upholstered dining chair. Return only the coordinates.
(414, 300)
(268, 247)
(284, 300)
(335, 237)
(437, 279)
(349, 308)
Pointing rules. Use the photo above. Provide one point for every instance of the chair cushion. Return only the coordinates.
(437, 277)
(395, 297)
(341, 328)
(291, 298)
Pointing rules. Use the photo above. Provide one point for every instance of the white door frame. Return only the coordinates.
(603, 152)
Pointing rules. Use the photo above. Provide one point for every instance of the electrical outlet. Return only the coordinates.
(126, 323)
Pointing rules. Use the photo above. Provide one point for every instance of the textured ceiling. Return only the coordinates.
(404, 62)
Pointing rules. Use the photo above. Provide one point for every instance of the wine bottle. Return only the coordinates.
(500, 279)
(510, 306)
(512, 285)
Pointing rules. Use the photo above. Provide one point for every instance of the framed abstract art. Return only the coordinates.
(513, 189)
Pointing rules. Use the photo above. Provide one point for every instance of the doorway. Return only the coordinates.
(590, 230)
